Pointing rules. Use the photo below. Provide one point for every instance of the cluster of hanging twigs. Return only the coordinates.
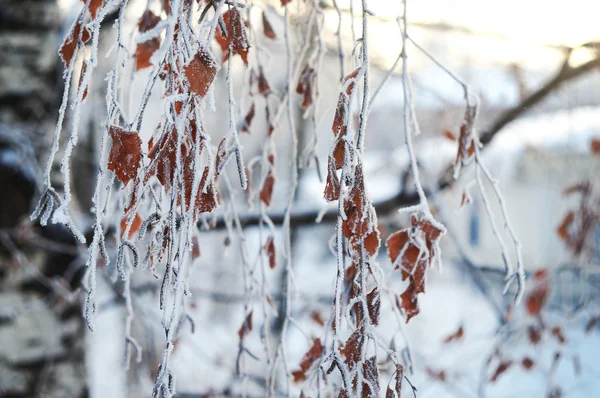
(168, 190)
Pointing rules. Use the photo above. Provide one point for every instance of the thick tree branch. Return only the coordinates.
(565, 74)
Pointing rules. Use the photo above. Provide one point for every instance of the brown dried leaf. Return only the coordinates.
(557, 332)
(267, 189)
(563, 228)
(81, 76)
(332, 187)
(144, 51)
(467, 139)
(372, 242)
(315, 316)
(236, 39)
(353, 348)
(195, 247)
(537, 299)
(200, 72)
(70, 44)
(340, 126)
(437, 375)
(248, 119)
(269, 248)
(534, 334)
(374, 305)
(502, 367)
(311, 356)
(246, 326)
(449, 134)
(94, 6)
(371, 375)
(263, 85)
(125, 153)
(220, 157)
(267, 28)
(135, 225)
(455, 336)
(527, 363)
(595, 146)
(339, 153)
(305, 85)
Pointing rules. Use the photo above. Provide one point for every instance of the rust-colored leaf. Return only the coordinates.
(248, 119)
(371, 243)
(449, 134)
(353, 348)
(370, 388)
(125, 153)
(305, 85)
(399, 375)
(409, 301)
(467, 140)
(70, 44)
(263, 84)
(148, 21)
(236, 40)
(221, 152)
(339, 153)
(502, 367)
(557, 332)
(146, 49)
(311, 356)
(200, 72)
(439, 375)
(94, 6)
(332, 187)
(163, 156)
(267, 28)
(595, 146)
(135, 225)
(455, 336)
(340, 125)
(267, 189)
(207, 197)
(563, 228)
(316, 317)
(81, 76)
(246, 326)
(285, 2)
(534, 334)
(269, 248)
(195, 247)
(374, 305)
(466, 199)
(527, 363)
(537, 299)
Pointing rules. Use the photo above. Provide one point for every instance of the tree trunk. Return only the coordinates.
(41, 328)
